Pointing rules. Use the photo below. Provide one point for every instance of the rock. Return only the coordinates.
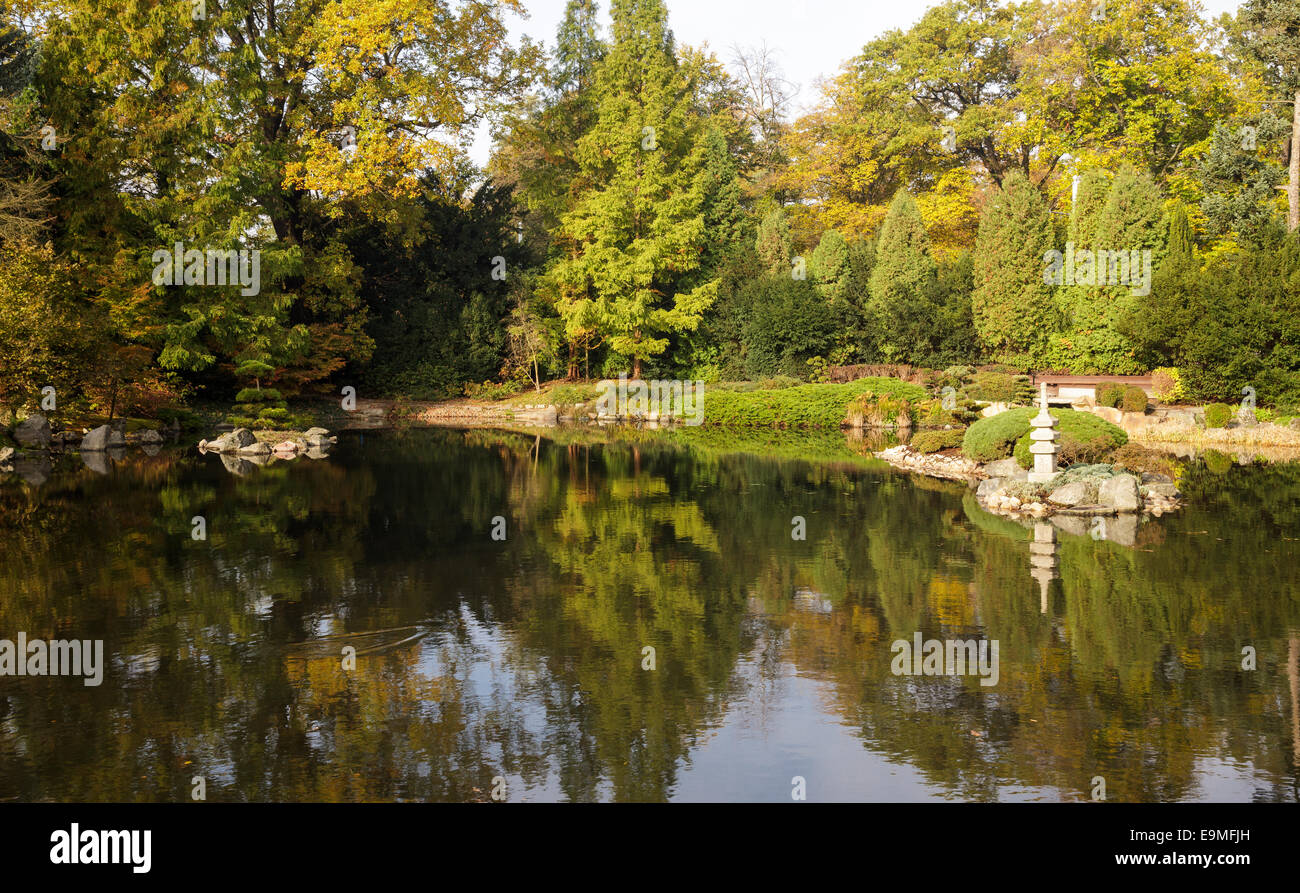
(1294, 424)
(1071, 524)
(1165, 490)
(66, 438)
(288, 447)
(236, 465)
(315, 432)
(6, 453)
(203, 444)
(98, 440)
(988, 488)
(33, 431)
(150, 449)
(1070, 494)
(233, 441)
(148, 435)
(256, 449)
(1152, 478)
(1121, 494)
(1246, 418)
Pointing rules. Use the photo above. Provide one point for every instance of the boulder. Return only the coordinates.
(66, 438)
(287, 447)
(148, 435)
(96, 461)
(1246, 418)
(1070, 494)
(1167, 490)
(98, 440)
(6, 454)
(1149, 477)
(34, 470)
(315, 432)
(1002, 468)
(1294, 424)
(988, 488)
(1121, 494)
(233, 441)
(33, 431)
(1073, 525)
(256, 449)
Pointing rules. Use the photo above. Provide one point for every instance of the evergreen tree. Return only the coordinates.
(1156, 325)
(1013, 306)
(901, 283)
(774, 243)
(830, 266)
(637, 232)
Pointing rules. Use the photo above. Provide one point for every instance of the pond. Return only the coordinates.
(451, 615)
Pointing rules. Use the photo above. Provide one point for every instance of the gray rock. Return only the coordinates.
(315, 432)
(6, 453)
(233, 441)
(66, 438)
(1167, 490)
(33, 431)
(1149, 477)
(149, 435)
(236, 465)
(97, 440)
(256, 449)
(1070, 494)
(1074, 526)
(988, 488)
(1246, 418)
(1294, 424)
(1121, 531)
(1121, 494)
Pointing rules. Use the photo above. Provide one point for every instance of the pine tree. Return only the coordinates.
(902, 281)
(638, 230)
(1014, 308)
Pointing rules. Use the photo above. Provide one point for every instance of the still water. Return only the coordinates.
(644, 626)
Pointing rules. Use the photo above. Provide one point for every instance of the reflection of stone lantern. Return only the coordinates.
(1043, 447)
(1042, 558)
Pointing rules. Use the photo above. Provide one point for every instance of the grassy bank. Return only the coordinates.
(810, 406)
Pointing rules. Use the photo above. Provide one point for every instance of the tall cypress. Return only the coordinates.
(902, 281)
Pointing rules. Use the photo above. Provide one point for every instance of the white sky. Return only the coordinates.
(813, 38)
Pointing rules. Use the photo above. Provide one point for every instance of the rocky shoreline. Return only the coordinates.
(1003, 487)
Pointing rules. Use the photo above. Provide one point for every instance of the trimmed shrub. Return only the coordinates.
(1137, 458)
(999, 387)
(1135, 399)
(1083, 436)
(1217, 462)
(1110, 395)
(1167, 384)
(824, 406)
(1217, 415)
(934, 441)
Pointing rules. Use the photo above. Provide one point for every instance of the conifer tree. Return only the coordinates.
(830, 266)
(774, 243)
(1013, 306)
(902, 281)
(638, 231)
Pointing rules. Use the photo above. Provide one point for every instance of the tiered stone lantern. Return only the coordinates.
(1044, 447)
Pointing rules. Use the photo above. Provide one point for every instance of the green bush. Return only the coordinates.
(934, 441)
(1217, 415)
(999, 387)
(1217, 462)
(1167, 384)
(823, 406)
(1081, 435)
(1110, 395)
(253, 395)
(1135, 399)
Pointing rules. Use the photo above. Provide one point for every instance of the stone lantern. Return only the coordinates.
(1043, 448)
(1043, 560)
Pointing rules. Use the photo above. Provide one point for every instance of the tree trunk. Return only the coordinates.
(636, 369)
(1293, 187)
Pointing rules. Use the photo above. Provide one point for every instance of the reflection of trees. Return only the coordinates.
(532, 668)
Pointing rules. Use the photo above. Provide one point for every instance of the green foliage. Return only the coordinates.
(1081, 434)
(1217, 415)
(902, 280)
(1013, 307)
(774, 243)
(815, 406)
(1168, 384)
(1134, 399)
(830, 266)
(934, 441)
(1110, 395)
(788, 324)
(1000, 387)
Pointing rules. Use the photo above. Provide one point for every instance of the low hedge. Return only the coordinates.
(1083, 436)
(816, 406)
(1217, 415)
(1134, 399)
(934, 441)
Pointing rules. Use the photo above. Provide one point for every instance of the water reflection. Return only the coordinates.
(525, 659)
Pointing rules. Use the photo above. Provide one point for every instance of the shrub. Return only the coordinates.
(823, 406)
(1217, 415)
(1084, 437)
(934, 441)
(1168, 385)
(883, 411)
(253, 395)
(1135, 399)
(1137, 458)
(1110, 395)
(778, 382)
(999, 387)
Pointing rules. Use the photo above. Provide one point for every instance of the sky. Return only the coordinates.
(813, 38)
